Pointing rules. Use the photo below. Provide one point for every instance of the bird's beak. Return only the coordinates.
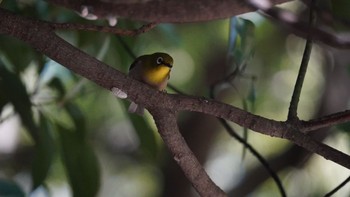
(168, 65)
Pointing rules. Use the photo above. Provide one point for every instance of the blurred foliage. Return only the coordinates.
(8, 188)
(77, 126)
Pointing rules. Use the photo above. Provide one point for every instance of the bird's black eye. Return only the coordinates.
(159, 60)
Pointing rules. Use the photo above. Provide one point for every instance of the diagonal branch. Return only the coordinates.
(326, 121)
(184, 157)
(256, 154)
(293, 108)
(41, 37)
(342, 184)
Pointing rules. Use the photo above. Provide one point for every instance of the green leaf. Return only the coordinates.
(241, 43)
(245, 130)
(58, 85)
(245, 30)
(16, 52)
(233, 36)
(16, 93)
(146, 135)
(10, 189)
(78, 119)
(44, 153)
(80, 163)
(252, 95)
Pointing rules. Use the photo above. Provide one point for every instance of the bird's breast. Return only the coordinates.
(157, 76)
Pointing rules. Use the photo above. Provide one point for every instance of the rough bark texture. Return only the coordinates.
(177, 11)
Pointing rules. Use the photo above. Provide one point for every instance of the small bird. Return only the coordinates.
(154, 70)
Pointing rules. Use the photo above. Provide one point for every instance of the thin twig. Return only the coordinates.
(293, 114)
(326, 121)
(105, 29)
(250, 148)
(254, 152)
(342, 184)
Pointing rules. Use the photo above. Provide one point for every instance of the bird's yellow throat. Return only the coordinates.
(157, 75)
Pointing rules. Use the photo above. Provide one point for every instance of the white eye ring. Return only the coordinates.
(159, 60)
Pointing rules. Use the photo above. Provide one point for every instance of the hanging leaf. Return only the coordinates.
(78, 119)
(241, 44)
(77, 155)
(19, 99)
(245, 130)
(57, 84)
(80, 163)
(252, 95)
(245, 50)
(41, 136)
(233, 35)
(146, 135)
(44, 153)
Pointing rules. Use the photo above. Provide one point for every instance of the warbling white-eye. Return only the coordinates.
(154, 70)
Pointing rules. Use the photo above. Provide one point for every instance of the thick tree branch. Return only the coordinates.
(184, 157)
(293, 24)
(41, 37)
(106, 29)
(178, 11)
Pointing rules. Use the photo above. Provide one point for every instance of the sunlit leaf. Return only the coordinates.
(10, 189)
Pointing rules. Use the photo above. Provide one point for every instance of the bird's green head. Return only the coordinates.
(153, 69)
(160, 60)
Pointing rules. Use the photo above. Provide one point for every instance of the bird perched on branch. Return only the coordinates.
(154, 70)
